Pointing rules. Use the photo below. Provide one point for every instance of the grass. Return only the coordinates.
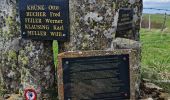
(155, 55)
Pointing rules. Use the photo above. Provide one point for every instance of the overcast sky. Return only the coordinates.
(158, 1)
(159, 4)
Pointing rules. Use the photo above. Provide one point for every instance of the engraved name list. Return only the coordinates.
(45, 20)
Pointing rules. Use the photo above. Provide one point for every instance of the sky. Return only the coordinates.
(157, 1)
(159, 4)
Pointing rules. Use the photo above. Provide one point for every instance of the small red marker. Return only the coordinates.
(30, 94)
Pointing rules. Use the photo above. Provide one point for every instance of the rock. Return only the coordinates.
(29, 59)
(15, 97)
(1, 98)
(6, 96)
(149, 99)
(126, 43)
(15, 45)
(152, 91)
(152, 86)
(22, 62)
(164, 96)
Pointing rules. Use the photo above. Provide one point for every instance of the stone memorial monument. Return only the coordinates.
(26, 63)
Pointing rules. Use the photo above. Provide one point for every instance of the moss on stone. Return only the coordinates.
(25, 60)
(12, 54)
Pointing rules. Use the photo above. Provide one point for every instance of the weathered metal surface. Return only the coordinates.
(44, 20)
(133, 67)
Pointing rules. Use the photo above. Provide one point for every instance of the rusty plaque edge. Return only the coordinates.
(133, 66)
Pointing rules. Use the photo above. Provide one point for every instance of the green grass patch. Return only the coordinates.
(155, 53)
(156, 56)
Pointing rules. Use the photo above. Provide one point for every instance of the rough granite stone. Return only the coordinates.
(24, 63)
(29, 63)
(93, 23)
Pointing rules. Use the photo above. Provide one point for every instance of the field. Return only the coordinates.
(157, 20)
(156, 56)
(156, 53)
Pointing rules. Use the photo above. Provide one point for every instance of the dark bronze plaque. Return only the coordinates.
(44, 19)
(96, 77)
(125, 26)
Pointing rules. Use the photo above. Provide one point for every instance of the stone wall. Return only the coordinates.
(29, 63)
